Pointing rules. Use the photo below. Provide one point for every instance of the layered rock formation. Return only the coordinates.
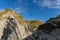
(47, 31)
(13, 26)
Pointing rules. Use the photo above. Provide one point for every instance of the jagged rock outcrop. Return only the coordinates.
(11, 31)
(54, 20)
(10, 26)
(40, 35)
(47, 31)
(13, 26)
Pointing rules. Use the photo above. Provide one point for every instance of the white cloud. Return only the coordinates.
(21, 6)
(20, 10)
(48, 3)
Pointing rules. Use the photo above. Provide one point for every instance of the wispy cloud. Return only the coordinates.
(22, 6)
(48, 3)
(20, 10)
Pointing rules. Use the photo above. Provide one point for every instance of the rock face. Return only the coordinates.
(11, 32)
(10, 27)
(47, 31)
(40, 35)
(54, 20)
(13, 26)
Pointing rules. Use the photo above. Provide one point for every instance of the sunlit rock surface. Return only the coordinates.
(12, 27)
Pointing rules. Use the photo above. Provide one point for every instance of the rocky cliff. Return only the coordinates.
(13, 26)
(50, 30)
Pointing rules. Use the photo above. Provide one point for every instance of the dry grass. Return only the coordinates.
(34, 23)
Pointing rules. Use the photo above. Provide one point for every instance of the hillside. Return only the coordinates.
(50, 30)
(14, 27)
(34, 24)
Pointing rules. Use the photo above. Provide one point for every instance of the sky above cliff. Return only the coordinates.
(33, 9)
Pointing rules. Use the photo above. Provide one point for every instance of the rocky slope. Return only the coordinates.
(33, 24)
(13, 26)
(47, 31)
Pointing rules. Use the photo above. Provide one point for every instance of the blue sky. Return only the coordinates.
(33, 9)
